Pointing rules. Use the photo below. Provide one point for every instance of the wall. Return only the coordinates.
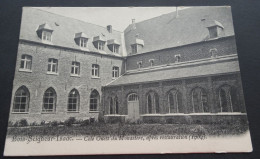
(224, 46)
(38, 81)
(210, 84)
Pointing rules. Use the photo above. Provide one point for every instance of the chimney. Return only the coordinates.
(133, 24)
(109, 28)
(177, 13)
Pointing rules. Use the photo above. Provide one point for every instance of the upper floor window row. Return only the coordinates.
(52, 67)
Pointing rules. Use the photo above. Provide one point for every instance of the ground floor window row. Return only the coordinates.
(227, 101)
(22, 99)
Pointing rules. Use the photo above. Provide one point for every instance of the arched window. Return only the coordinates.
(49, 100)
(21, 100)
(228, 99)
(111, 110)
(73, 101)
(174, 102)
(149, 104)
(199, 101)
(152, 103)
(94, 101)
(132, 97)
(116, 105)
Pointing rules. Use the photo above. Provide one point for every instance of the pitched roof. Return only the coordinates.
(204, 67)
(64, 29)
(190, 26)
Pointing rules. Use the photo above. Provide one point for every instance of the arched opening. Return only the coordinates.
(228, 99)
(111, 105)
(152, 103)
(174, 102)
(116, 106)
(21, 100)
(49, 100)
(73, 101)
(94, 101)
(133, 107)
(199, 100)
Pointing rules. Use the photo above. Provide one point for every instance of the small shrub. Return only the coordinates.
(70, 121)
(34, 124)
(16, 124)
(42, 123)
(92, 120)
(85, 122)
(54, 124)
(10, 124)
(23, 122)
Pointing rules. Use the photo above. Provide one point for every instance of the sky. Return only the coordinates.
(118, 17)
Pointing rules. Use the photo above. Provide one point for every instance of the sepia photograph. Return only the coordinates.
(98, 80)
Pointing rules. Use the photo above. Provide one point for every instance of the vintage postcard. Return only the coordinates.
(119, 80)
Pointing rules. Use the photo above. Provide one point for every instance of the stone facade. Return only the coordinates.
(38, 81)
(177, 98)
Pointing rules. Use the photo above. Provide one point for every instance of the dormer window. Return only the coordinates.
(216, 29)
(140, 64)
(44, 32)
(151, 62)
(137, 46)
(101, 45)
(177, 58)
(113, 45)
(99, 42)
(83, 42)
(213, 52)
(81, 39)
(46, 35)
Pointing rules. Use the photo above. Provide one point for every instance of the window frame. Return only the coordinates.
(74, 104)
(21, 96)
(134, 49)
(51, 63)
(46, 36)
(95, 71)
(115, 72)
(101, 45)
(49, 97)
(26, 61)
(94, 101)
(75, 68)
(83, 42)
(115, 48)
(177, 58)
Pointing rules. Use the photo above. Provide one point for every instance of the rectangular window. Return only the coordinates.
(134, 49)
(115, 49)
(52, 65)
(101, 45)
(75, 68)
(178, 58)
(95, 70)
(83, 42)
(46, 35)
(139, 63)
(26, 62)
(115, 72)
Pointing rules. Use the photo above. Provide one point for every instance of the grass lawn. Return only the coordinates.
(132, 129)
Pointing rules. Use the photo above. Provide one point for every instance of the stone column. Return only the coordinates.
(184, 97)
(141, 96)
(211, 99)
(161, 98)
(123, 103)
